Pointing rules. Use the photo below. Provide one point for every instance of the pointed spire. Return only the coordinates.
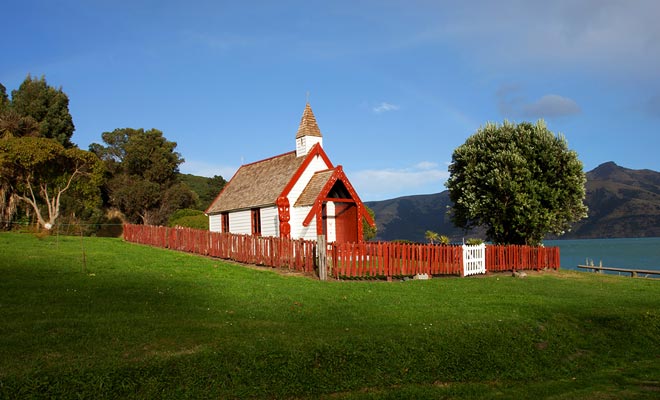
(308, 125)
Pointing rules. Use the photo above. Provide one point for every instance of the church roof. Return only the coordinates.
(308, 125)
(323, 185)
(313, 188)
(257, 184)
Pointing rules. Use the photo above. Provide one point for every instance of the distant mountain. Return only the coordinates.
(622, 203)
(409, 217)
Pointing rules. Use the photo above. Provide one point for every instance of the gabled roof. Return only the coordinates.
(320, 186)
(257, 184)
(261, 183)
(313, 188)
(308, 125)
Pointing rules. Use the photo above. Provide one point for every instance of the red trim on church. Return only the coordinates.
(316, 150)
(317, 208)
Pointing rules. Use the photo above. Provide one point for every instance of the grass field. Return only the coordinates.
(138, 322)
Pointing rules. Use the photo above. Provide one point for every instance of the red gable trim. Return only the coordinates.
(316, 150)
(323, 196)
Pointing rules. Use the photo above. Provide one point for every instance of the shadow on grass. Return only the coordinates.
(148, 323)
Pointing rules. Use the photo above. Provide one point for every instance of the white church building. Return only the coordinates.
(299, 194)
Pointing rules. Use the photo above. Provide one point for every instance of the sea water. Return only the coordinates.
(638, 253)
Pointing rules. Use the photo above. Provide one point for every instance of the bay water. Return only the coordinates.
(633, 253)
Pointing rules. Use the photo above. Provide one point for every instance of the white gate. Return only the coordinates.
(474, 259)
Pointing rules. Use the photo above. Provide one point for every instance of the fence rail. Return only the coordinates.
(348, 260)
(274, 252)
(389, 259)
(512, 257)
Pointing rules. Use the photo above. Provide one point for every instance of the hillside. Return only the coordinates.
(206, 188)
(622, 203)
(409, 217)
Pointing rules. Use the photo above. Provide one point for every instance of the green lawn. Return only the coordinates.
(139, 322)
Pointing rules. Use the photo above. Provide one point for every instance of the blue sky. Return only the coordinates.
(395, 86)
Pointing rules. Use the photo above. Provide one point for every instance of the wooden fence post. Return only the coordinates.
(386, 258)
(321, 248)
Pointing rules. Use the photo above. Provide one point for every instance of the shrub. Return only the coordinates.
(189, 218)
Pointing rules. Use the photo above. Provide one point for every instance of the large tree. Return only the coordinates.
(47, 106)
(13, 124)
(519, 181)
(4, 99)
(369, 232)
(144, 174)
(39, 171)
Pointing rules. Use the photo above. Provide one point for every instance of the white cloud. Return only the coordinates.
(426, 165)
(512, 103)
(201, 168)
(423, 178)
(551, 105)
(385, 107)
(605, 36)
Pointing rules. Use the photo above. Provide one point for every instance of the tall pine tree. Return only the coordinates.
(47, 106)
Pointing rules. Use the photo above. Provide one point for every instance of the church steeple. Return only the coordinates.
(308, 133)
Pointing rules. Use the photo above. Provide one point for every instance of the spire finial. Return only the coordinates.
(307, 97)
(309, 134)
(308, 126)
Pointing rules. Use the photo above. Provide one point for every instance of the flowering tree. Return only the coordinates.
(39, 171)
(520, 181)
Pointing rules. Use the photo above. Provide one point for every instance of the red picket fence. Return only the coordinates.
(376, 260)
(512, 257)
(388, 259)
(274, 252)
(344, 260)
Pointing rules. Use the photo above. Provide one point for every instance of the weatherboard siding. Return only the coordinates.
(305, 143)
(308, 232)
(298, 231)
(240, 222)
(215, 223)
(270, 222)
